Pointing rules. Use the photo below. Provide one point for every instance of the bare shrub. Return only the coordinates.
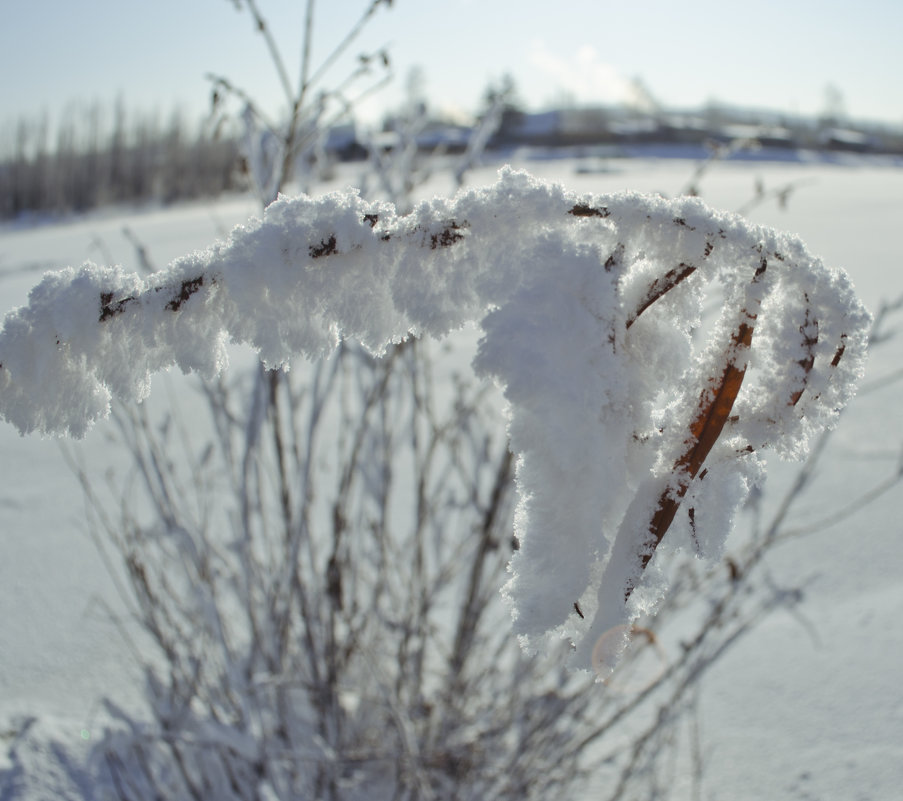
(320, 582)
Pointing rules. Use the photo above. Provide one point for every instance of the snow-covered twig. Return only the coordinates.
(621, 414)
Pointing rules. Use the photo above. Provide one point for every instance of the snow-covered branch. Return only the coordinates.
(631, 416)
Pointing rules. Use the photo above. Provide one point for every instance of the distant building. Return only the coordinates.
(846, 139)
(342, 143)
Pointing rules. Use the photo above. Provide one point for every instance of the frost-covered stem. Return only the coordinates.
(334, 595)
(221, 83)
(472, 606)
(717, 152)
(723, 628)
(659, 288)
(781, 194)
(293, 531)
(279, 444)
(696, 653)
(172, 295)
(716, 402)
(637, 541)
(295, 586)
(273, 47)
(588, 324)
(247, 490)
(424, 454)
(298, 100)
(480, 136)
(347, 41)
(291, 534)
(306, 49)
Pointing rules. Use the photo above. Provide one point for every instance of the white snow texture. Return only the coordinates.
(592, 309)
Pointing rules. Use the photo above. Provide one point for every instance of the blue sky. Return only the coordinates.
(781, 55)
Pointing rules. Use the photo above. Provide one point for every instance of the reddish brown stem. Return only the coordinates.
(712, 414)
(660, 286)
(810, 340)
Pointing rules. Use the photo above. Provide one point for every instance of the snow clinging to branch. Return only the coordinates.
(631, 414)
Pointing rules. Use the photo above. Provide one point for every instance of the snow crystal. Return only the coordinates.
(629, 407)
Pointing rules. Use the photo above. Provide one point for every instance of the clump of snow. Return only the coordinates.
(628, 407)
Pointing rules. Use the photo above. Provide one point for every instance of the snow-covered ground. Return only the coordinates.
(808, 706)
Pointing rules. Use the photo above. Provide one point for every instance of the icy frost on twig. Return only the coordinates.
(621, 413)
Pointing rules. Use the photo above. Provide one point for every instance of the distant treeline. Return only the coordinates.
(93, 156)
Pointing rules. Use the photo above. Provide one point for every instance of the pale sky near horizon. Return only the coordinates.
(777, 54)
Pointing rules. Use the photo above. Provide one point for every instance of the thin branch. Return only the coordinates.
(275, 54)
(306, 48)
(352, 34)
